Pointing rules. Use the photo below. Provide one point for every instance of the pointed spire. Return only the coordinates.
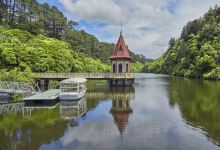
(120, 49)
(121, 27)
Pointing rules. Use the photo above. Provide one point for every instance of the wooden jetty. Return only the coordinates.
(46, 96)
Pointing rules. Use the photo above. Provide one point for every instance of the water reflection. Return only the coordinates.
(72, 110)
(159, 112)
(7, 97)
(199, 103)
(121, 97)
(30, 128)
(4, 97)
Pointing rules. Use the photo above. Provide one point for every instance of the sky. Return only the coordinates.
(147, 24)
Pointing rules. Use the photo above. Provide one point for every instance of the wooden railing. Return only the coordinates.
(84, 75)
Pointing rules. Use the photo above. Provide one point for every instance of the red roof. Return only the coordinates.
(120, 49)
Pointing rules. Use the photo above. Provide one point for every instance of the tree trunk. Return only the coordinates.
(13, 13)
(54, 26)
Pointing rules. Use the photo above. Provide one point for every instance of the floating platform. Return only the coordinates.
(52, 94)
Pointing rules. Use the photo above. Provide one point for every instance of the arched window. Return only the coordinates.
(114, 68)
(120, 68)
(126, 67)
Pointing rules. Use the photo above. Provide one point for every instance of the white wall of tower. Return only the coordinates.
(124, 64)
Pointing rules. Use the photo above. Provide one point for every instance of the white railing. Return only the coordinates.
(18, 87)
(11, 107)
(84, 75)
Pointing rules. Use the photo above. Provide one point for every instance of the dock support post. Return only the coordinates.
(43, 83)
(121, 82)
(46, 84)
(110, 82)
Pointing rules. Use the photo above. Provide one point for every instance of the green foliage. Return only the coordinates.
(83, 42)
(21, 53)
(196, 53)
(8, 56)
(213, 74)
(137, 67)
(39, 118)
(16, 75)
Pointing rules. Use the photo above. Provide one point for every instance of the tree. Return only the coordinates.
(72, 24)
(172, 42)
(195, 53)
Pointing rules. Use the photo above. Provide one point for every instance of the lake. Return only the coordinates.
(158, 112)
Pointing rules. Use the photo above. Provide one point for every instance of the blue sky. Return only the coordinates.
(147, 24)
(90, 27)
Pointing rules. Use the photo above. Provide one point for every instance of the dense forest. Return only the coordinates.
(22, 52)
(196, 53)
(47, 20)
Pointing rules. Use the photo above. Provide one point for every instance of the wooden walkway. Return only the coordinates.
(99, 76)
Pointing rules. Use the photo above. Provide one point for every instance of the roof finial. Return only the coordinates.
(121, 26)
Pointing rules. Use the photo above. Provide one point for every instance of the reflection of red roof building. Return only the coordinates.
(121, 120)
(121, 109)
(120, 49)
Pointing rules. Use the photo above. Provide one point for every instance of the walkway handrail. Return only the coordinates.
(48, 75)
(18, 87)
(11, 107)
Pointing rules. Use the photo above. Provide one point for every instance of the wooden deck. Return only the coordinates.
(47, 95)
(98, 76)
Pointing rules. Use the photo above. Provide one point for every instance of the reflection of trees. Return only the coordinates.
(95, 94)
(46, 125)
(29, 133)
(199, 102)
(121, 97)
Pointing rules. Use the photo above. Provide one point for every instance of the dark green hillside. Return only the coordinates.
(196, 53)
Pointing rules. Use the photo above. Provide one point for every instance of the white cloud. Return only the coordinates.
(147, 24)
(93, 10)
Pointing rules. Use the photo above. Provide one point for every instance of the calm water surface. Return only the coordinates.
(158, 112)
